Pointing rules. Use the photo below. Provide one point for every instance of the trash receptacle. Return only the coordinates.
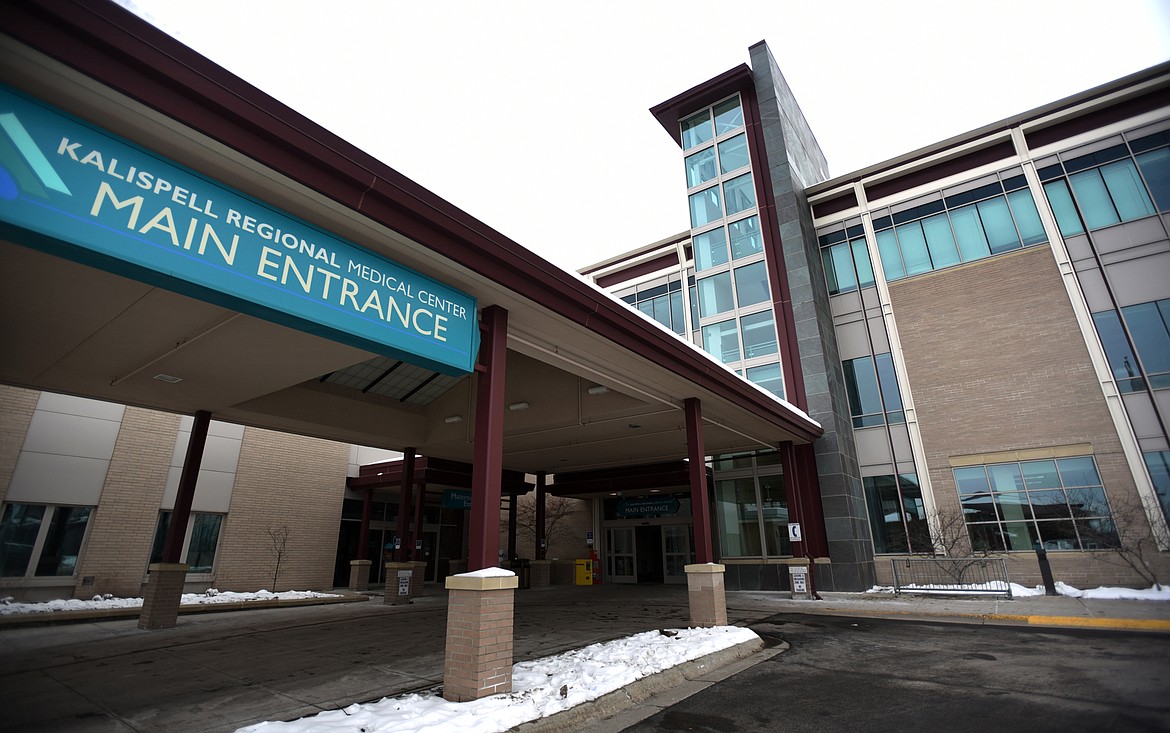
(522, 566)
(584, 572)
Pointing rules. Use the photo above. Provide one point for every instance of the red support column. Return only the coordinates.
(404, 505)
(541, 544)
(700, 506)
(486, 472)
(792, 491)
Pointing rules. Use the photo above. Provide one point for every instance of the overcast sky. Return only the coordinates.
(532, 115)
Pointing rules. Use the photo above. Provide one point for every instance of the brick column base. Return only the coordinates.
(705, 592)
(396, 594)
(540, 574)
(418, 578)
(478, 660)
(164, 591)
(359, 574)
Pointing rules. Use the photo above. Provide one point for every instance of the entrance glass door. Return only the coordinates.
(677, 551)
(620, 556)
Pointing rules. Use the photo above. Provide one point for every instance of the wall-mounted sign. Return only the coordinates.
(75, 191)
(456, 499)
(647, 506)
(794, 532)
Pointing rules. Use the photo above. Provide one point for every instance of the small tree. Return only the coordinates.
(944, 537)
(277, 548)
(556, 510)
(1133, 538)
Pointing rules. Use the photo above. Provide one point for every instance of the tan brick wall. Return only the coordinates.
(16, 411)
(996, 362)
(118, 546)
(283, 480)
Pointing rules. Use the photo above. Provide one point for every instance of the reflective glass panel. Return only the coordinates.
(751, 284)
(861, 259)
(1127, 190)
(1027, 218)
(710, 249)
(997, 223)
(728, 116)
(1063, 208)
(63, 541)
(204, 539)
(1122, 362)
(1087, 502)
(18, 534)
(1155, 167)
(768, 376)
(1020, 536)
(705, 207)
(969, 233)
(721, 340)
(888, 252)
(1096, 206)
(759, 334)
(913, 245)
(700, 167)
(1158, 464)
(940, 241)
(1005, 477)
(839, 268)
(696, 130)
(739, 193)
(677, 322)
(1151, 335)
(1049, 504)
(736, 511)
(745, 237)
(1040, 475)
(862, 387)
(1080, 471)
(774, 508)
(972, 480)
(1013, 505)
(733, 154)
(889, 384)
(715, 294)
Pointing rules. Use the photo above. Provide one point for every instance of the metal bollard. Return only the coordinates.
(1045, 569)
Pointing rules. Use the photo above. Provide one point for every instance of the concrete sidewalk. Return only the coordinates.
(217, 672)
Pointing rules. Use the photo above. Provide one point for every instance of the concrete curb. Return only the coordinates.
(49, 618)
(681, 681)
(1068, 622)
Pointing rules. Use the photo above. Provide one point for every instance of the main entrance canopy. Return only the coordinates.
(590, 383)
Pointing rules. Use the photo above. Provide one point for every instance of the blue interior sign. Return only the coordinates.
(79, 192)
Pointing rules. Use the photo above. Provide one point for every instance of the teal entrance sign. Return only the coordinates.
(73, 190)
(649, 506)
(456, 499)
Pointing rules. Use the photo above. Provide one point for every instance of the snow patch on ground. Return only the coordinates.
(210, 596)
(1023, 591)
(540, 688)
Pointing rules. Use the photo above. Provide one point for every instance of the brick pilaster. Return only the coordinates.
(478, 660)
(394, 595)
(164, 591)
(418, 578)
(705, 592)
(359, 575)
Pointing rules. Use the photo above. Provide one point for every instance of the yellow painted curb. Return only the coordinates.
(1134, 624)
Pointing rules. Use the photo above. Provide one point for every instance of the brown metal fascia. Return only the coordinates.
(123, 52)
(669, 113)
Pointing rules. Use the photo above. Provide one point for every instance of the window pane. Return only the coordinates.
(1155, 167)
(862, 387)
(913, 245)
(1088, 502)
(751, 284)
(986, 537)
(733, 154)
(160, 537)
(885, 514)
(1058, 535)
(1027, 218)
(705, 207)
(736, 513)
(1151, 336)
(972, 480)
(700, 167)
(739, 193)
(696, 130)
(759, 334)
(715, 295)
(710, 249)
(1020, 536)
(1158, 464)
(1040, 475)
(1049, 505)
(18, 535)
(745, 237)
(969, 233)
(1096, 206)
(1013, 506)
(677, 322)
(940, 241)
(1063, 208)
(889, 383)
(891, 258)
(1005, 477)
(204, 538)
(861, 259)
(774, 505)
(1078, 472)
(768, 376)
(997, 223)
(63, 542)
(728, 116)
(1128, 191)
(1121, 359)
(839, 268)
(721, 340)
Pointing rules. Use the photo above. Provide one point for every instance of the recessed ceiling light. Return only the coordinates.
(633, 426)
(598, 389)
(453, 419)
(517, 406)
(168, 378)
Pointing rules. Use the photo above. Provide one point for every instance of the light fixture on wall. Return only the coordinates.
(598, 389)
(450, 419)
(517, 406)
